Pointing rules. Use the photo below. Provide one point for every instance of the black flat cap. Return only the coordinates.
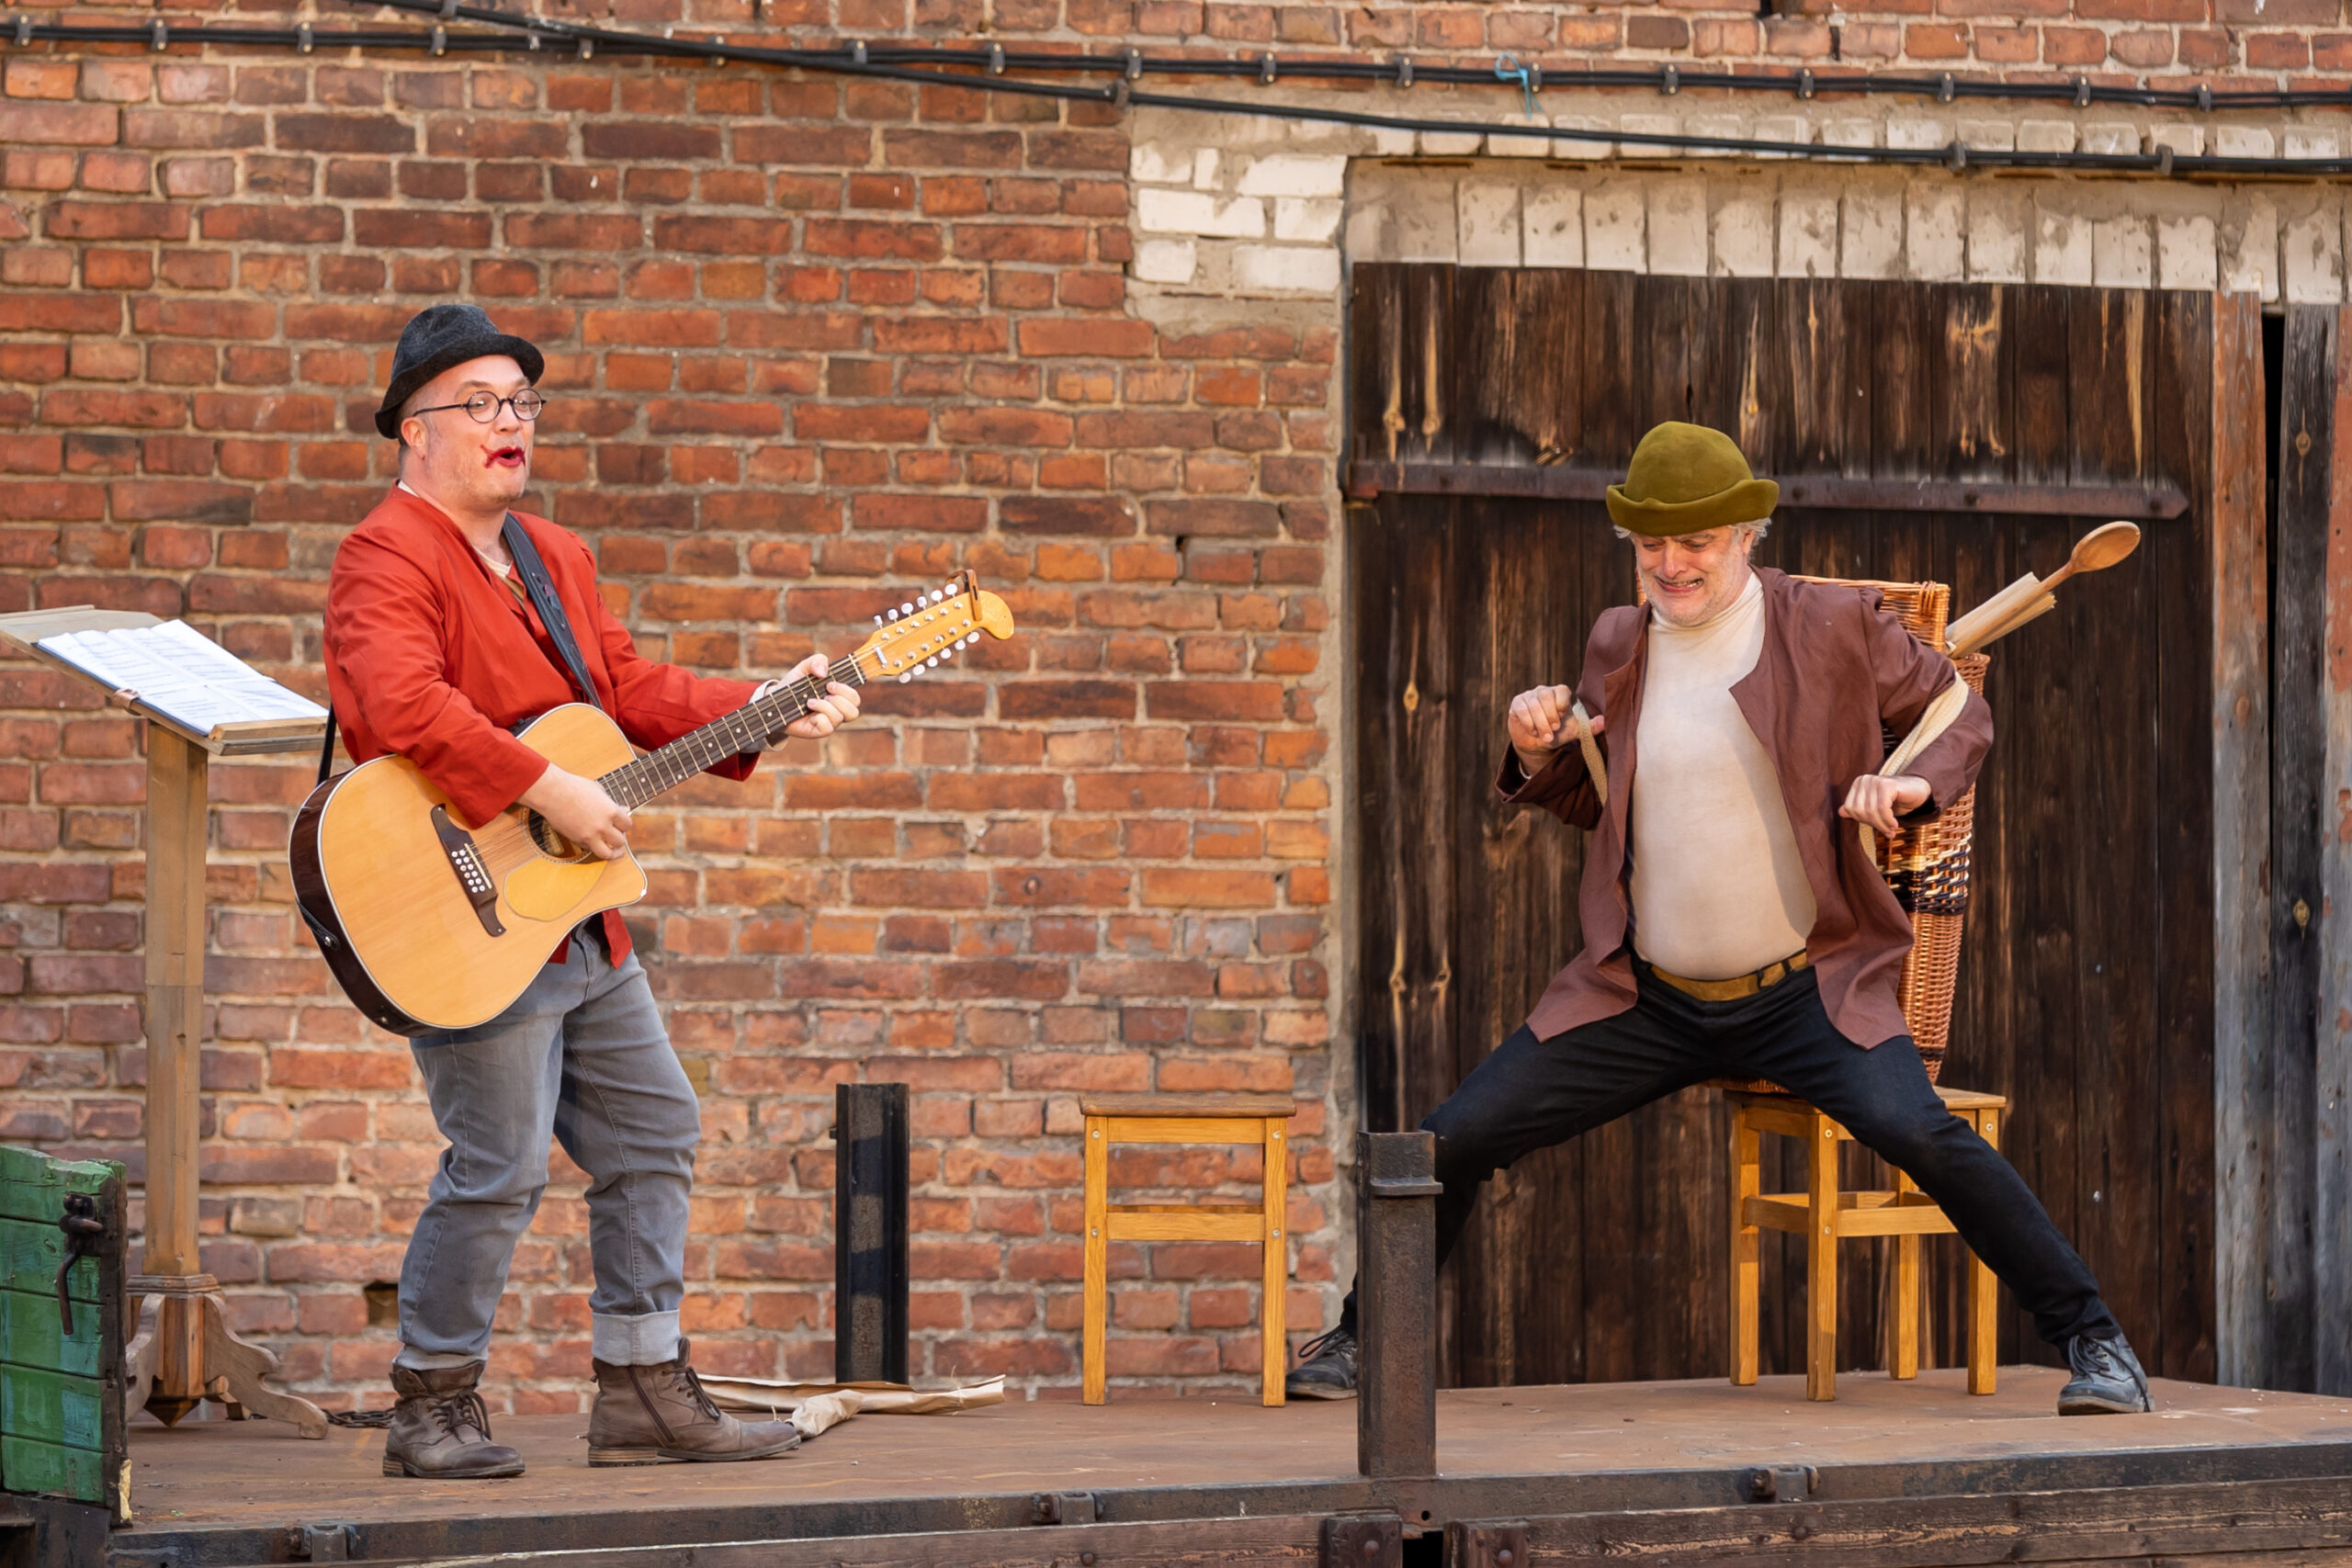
(437, 337)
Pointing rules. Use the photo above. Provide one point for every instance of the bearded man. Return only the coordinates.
(1733, 925)
(436, 650)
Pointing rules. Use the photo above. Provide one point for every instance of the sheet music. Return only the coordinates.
(179, 671)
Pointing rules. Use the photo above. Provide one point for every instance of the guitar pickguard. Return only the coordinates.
(551, 889)
(474, 876)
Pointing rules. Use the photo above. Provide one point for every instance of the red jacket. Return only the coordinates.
(1837, 673)
(432, 657)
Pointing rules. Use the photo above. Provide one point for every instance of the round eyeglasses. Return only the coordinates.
(483, 407)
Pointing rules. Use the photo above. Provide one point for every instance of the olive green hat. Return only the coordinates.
(1685, 477)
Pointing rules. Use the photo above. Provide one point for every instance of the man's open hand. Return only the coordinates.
(1879, 800)
(1540, 724)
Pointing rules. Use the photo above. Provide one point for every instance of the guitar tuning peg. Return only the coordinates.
(894, 616)
(877, 620)
(906, 676)
(948, 652)
(906, 609)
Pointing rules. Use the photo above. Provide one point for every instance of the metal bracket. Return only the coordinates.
(1484, 1543)
(1406, 1188)
(321, 1543)
(1782, 1482)
(1363, 1540)
(1064, 1508)
(84, 1230)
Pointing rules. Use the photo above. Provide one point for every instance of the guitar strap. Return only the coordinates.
(541, 588)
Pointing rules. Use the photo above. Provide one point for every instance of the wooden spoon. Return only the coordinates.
(2096, 551)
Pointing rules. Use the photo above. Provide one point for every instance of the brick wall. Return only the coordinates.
(808, 342)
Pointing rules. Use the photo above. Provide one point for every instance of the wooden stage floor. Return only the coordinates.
(1240, 1483)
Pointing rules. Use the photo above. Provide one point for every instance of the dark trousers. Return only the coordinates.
(1531, 1094)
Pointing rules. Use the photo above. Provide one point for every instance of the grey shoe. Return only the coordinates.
(1327, 1368)
(660, 1415)
(440, 1430)
(2107, 1381)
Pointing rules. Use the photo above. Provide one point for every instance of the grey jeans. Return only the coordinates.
(581, 1055)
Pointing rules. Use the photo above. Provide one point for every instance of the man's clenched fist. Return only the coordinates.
(1540, 724)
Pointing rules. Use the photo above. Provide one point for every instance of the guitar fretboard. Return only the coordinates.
(748, 727)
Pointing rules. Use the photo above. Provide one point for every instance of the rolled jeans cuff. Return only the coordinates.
(418, 1361)
(647, 1340)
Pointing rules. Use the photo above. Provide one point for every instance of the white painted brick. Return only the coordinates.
(1293, 174)
(1522, 146)
(1993, 135)
(1996, 232)
(1450, 144)
(1572, 147)
(1871, 235)
(2250, 248)
(2186, 257)
(1205, 168)
(1552, 226)
(1287, 269)
(1935, 243)
(2309, 141)
(1849, 133)
(2123, 254)
(1148, 164)
(2110, 136)
(1745, 243)
(1487, 212)
(1648, 125)
(1808, 234)
(2311, 253)
(2186, 140)
(2046, 136)
(2061, 247)
(1390, 142)
(2243, 142)
(1917, 133)
(1422, 221)
(1679, 228)
(1197, 212)
(1165, 261)
(1296, 218)
(1791, 127)
(1616, 228)
(1730, 126)
(1371, 232)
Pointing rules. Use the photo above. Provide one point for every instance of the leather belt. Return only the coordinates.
(1739, 987)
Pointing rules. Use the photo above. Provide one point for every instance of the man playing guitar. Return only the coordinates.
(435, 650)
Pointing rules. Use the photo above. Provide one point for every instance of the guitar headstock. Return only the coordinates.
(927, 628)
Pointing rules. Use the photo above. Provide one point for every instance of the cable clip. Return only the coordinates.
(2082, 91)
(159, 35)
(24, 29)
(1135, 65)
(1404, 69)
(1669, 81)
(1267, 68)
(440, 40)
(1945, 88)
(587, 47)
(996, 60)
(533, 39)
(2164, 161)
(1120, 90)
(857, 52)
(302, 39)
(1510, 69)
(1804, 84)
(1956, 156)
(2205, 97)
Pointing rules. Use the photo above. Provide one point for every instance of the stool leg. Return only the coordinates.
(1821, 1261)
(1983, 1293)
(1747, 1181)
(1905, 1362)
(1095, 1306)
(1273, 1328)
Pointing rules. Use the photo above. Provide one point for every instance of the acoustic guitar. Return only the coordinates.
(430, 925)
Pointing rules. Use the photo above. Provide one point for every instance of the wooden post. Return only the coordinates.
(2238, 571)
(1904, 1359)
(1397, 1192)
(1272, 1329)
(1983, 1292)
(1747, 1181)
(870, 1232)
(1821, 1260)
(1094, 1300)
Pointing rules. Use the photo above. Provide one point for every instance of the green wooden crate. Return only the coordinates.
(61, 1394)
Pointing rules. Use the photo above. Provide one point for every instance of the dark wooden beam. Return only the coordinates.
(2158, 503)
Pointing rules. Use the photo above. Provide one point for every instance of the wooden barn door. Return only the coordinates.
(1964, 433)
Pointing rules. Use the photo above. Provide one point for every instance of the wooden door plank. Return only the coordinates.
(1375, 378)
(2240, 725)
(2331, 1164)
(2299, 552)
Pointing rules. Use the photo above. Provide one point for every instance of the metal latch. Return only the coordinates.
(1063, 1508)
(84, 1230)
(1782, 1482)
(1363, 1540)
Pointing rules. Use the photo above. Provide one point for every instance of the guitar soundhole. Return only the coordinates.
(552, 844)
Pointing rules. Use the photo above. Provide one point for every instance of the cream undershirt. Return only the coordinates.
(1719, 888)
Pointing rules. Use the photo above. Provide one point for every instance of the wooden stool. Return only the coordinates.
(1823, 1215)
(1259, 1118)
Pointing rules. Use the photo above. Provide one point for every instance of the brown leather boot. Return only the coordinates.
(659, 1415)
(440, 1430)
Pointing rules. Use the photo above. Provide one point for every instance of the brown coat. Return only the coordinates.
(1836, 674)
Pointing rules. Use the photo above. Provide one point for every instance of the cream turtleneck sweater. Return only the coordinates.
(1718, 886)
